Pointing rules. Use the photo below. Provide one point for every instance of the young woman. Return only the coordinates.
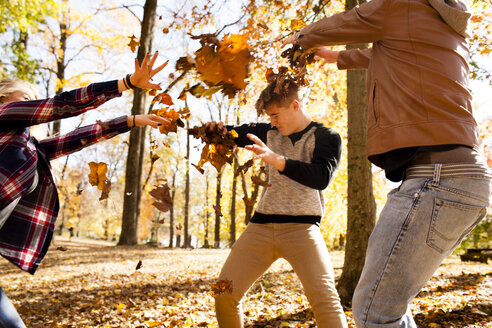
(28, 198)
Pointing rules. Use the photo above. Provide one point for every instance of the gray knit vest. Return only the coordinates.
(286, 196)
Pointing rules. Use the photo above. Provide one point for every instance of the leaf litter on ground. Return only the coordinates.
(94, 284)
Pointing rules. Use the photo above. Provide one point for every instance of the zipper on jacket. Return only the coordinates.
(374, 102)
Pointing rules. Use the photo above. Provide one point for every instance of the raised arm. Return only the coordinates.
(362, 24)
(21, 114)
(82, 137)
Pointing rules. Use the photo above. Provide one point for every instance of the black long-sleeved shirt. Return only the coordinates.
(312, 156)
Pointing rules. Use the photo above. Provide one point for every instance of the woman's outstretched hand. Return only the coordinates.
(144, 73)
(147, 120)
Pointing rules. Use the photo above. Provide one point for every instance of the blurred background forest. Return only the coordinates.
(66, 44)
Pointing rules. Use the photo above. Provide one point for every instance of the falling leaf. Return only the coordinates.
(185, 64)
(134, 43)
(198, 168)
(221, 287)
(139, 265)
(163, 98)
(199, 91)
(263, 26)
(179, 226)
(97, 176)
(218, 210)
(154, 158)
(297, 24)
(163, 197)
(106, 189)
(249, 202)
(165, 30)
(224, 63)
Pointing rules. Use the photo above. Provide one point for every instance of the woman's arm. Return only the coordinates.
(82, 137)
(75, 102)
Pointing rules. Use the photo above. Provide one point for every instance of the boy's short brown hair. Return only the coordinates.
(280, 92)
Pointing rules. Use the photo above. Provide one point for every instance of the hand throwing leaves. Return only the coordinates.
(266, 154)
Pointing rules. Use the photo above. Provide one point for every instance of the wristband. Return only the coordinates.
(128, 82)
(124, 82)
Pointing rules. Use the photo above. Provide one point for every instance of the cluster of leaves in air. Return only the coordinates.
(218, 149)
(221, 64)
(294, 74)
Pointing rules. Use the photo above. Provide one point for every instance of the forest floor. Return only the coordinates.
(93, 284)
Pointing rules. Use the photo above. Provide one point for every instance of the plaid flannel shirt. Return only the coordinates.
(26, 234)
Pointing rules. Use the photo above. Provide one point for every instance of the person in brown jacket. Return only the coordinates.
(421, 131)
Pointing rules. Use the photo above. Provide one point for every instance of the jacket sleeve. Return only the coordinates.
(354, 59)
(66, 104)
(82, 137)
(326, 156)
(258, 129)
(361, 24)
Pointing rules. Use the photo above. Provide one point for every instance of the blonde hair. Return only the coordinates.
(8, 86)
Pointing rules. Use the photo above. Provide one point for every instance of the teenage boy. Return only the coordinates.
(301, 157)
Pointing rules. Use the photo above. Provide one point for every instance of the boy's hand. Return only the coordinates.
(266, 154)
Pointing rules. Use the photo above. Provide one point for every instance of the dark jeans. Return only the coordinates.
(9, 318)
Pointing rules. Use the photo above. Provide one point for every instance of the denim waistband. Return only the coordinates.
(436, 171)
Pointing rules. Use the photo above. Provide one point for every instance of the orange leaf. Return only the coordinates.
(226, 64)
(97, 176)
(134, 43)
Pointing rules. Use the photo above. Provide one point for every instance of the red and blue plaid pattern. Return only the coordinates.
(26, 234)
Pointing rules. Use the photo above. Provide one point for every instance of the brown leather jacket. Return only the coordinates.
(417, 78)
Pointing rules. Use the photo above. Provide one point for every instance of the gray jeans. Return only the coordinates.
(423, 221)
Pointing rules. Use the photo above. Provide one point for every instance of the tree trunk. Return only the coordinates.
(134, 163)
(171, 211)
(218, 195)
(186, 243)
(60, 63)
(361, 213)
(248, 200)
(232, 238)
(205, 237)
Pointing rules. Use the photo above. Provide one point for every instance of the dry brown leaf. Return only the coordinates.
(134, 43)
(97, 175)
(221, 287)
(162, 195)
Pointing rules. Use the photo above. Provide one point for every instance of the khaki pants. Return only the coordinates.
(260, 245)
